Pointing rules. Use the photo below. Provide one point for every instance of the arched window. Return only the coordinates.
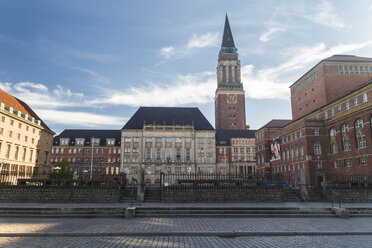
(359, 135)
(332, 132)
(345, 128)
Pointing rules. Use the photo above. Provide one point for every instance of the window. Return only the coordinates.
(2, 119)
(356, 101)
(188, 154)
(332, 111)
(148, 140)
(127, 139)
(316, 131)
(18, 136)
(361, 141)
(158, 140)
(157, 170)
(168, 140)
(201, 141)
(11, 122)
(319, 165)
(335, 164)
(64, 141)
(332, 132)
(345, 128)
(359, 124)
(16, 153)
(296, 151)
(363, 161)
(365, 97)
(326, 114)
(347, 105)
(158, 153)
(168, 154)
(178, 140)
(348, 162)
(317, 149)
(10, 134)
(177, 170)
(135, 139)
(300, 133)
(347, 145)
(110, 142)
(1, 130)
(301, 150)
(334, 147)
(339, 108)
(188, 140)
(148, 153)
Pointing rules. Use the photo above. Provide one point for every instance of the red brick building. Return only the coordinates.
(332, 131)
(86, 149)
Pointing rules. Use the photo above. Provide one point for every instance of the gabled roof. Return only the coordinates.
(87, 134)
(223, 137)
(19, 105)
(168, 116)
(276, 123)
(227, 39)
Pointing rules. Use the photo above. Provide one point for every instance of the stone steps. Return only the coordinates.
(234, 212)
(360, 212)
(152, 194)
(129, 195)
(62, 212)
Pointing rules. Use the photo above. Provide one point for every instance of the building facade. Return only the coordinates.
(333, 138)
(90, 153)
(25, 141)
(169, 140)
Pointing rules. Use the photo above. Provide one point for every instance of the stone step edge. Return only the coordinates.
(186, 233)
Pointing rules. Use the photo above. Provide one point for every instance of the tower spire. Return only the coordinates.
(227, 39)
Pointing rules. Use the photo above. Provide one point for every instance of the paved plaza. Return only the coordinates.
(186, 232)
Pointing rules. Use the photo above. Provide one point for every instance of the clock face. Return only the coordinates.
(231, 98)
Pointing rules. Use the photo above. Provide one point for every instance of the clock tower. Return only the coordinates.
(229, 98)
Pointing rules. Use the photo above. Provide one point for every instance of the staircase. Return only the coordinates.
(291, 195)
(129, 194)
(58, 212)
(219, 212)
(314, 195)
(360, 212)
(152, 194)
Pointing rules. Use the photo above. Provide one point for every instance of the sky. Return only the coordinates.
(87, 64)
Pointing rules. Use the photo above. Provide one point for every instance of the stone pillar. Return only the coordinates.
(141, 184)
(303, 185)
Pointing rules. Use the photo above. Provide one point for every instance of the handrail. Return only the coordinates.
(337, 194)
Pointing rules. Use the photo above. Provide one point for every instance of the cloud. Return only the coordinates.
(326, 15)
(191, 89)
(167, 52)
(268, 34)
(82, 119)
(273, 82)
(195, 42)
(205, 40)
(38, 95)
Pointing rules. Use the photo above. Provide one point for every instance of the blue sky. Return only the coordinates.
(91, 64)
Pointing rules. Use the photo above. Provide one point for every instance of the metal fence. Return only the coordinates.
(60, 179)
(347, 179)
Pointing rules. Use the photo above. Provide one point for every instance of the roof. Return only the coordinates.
(87, 134)
(337, 58)
(276, 123)
(227, 39)
(347, 58)
(168, 116)
(19, 105)
(223, 137)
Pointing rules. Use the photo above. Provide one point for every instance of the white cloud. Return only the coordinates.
(38, 95)
(326, 15)
(273, 82)
(192, 89)
(205, 40)
(195, 42)
(268, 34)
(167, 52)
(5, 86)
(83, 119)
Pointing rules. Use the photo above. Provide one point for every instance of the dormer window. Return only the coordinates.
(79, 141)
(110, 142)
(64, 141)
(95, 141)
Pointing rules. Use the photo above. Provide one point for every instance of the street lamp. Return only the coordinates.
(57, 168)
(85, 172)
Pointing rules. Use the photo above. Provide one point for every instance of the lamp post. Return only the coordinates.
(84, 174)
(57, 168)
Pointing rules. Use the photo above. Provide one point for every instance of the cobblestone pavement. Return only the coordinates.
(158, 225)
(193, 241)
